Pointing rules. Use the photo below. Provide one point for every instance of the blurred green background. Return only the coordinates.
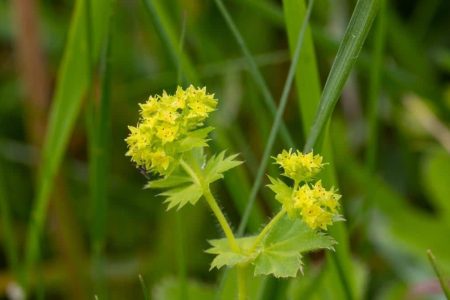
(71, 76)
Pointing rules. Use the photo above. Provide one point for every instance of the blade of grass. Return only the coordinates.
(9, 242)
(144, 288)
(442, 282)
(71, 86)
(307, 79)
(167, 34)
(254, 71)
(348, 52)
(396, 77)
(99, 167)
(308, 93)
(374, 88)
(276, 124)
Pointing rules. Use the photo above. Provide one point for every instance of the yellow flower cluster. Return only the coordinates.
(316, 205)
(299, 166)
(168, 126)
(312, 202)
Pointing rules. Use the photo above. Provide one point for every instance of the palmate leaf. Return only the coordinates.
(283, 193)
(279, 254)
(182, 187)
(182, 190)
(217, 165)
(180, 196)
(226, 257)
(282, 249)
(168, 182)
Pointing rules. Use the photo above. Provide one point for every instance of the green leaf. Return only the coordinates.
(217, 165)
(168, 182)
(227, 257)
(348, 52)
(283, 192)
(281, 251)
(196, 139)
(72, 84)
(180, 196)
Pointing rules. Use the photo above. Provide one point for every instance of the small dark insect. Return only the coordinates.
(143, 171)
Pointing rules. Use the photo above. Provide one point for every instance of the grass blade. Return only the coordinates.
(254, 71)
(276, 124)
(308, 87)
(144, 288)
(374, 87)
(167, 33)
(346, 56)
(72, 85)
(442, 282)
(99, 142)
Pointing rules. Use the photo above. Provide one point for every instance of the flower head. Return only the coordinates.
(299, 166)
(316, 205)
(168, 126)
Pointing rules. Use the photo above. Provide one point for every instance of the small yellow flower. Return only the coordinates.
(167, 133)
(316, 205)
(149, 108)
(165, 122)
(299, 166)
(160, 160)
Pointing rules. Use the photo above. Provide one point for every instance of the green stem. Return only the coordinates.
(242, 284)
(223, 223)
(221, 218)
(267, 229)
(214, 207)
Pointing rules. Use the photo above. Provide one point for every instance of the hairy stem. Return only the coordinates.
(221, 218)
(242, 290)
(242, 284)
(267, 228)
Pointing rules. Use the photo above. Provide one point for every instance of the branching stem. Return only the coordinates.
(221, 218)
(242, 290)
(267, 229)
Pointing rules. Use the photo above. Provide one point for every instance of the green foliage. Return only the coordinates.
(196, 139)
(180, 196)
(225, 256)
(280, 252)
(283, 248)
(73, 82)
(283, 193)
(217, 165)
(64, 150)
(184, 187)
